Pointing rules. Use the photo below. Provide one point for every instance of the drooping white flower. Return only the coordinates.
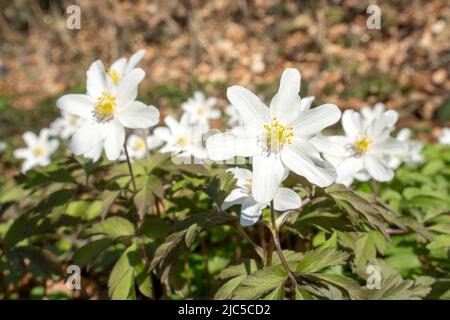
(38, 150)
(181, 138)
(364, 151)
(277, 138)
(413, 150)
(234, 119)
(445, 136)
(284, 199)
(201, 109)
(137, 146)
(378, 111)
(65, 126)
(106, 110)
(123, 66)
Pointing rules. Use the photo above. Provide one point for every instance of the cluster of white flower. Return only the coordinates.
(282, 137)
(286, 136)
(185, 138)
(367, 150)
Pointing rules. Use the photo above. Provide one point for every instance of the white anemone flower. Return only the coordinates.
(123, 66)
(276, 137)
(181, 138)
(234, 119)
(251, 210)
(106, 111)
(137, 146)
(65, 126)
(38, 150)
(445, 136)
(201, 109)
(369, 114)
(364, 151)
(413, 152)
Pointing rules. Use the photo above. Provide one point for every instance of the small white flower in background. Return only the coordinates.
(38, 150)
(65, 126)
(181, 138)
(277, 138)
(201, 109)
(364, 151)
(390, 117)
(251, 210)
(445, 136)
(413, 151)
(2, 146)
(137, 146)
(234, 119)
(106, 111)
(123, 66)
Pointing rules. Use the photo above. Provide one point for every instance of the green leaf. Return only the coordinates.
(393, 287)
(122, 277)
(261, 283)
(347, 286)
(90, 251)
(115, 227)
(316, 260)
(367, 245)
(440, 242)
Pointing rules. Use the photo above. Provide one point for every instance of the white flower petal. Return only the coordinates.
(96, 81)
(306, 103)
(85, 138)
(95, 153)
(285, 104)
(302, 158)
(119, 66)
(251, 212)
(378, 169)
(80, 105)
(22, 153)
(268, 172)
(390, 146)
(312, 121)
(137, 115)
(236, 196)
(163, 133)
(134, 60)
(253, 111)
(286, 199)
(352, 123)
(240, 141)
(128, 86)
(114, 140)
(29, 164)
(30, 138)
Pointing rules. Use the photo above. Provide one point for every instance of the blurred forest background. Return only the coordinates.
(210, 45)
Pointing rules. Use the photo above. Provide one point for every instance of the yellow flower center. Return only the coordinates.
(182, 141)
(361, 146)
(73, 120)
(105, 107)
(277, 135)
(139, 145)
(38, 152)
(115, 77)
(201, 110)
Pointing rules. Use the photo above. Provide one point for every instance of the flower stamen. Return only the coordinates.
(362, 145)
(115, 77)
(105, 107)
(277, 135)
